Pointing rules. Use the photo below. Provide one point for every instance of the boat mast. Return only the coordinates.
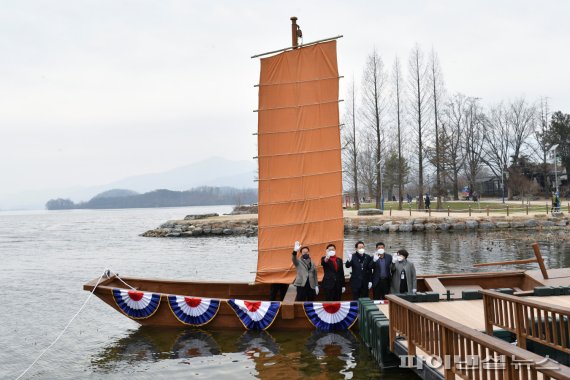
(295, 32)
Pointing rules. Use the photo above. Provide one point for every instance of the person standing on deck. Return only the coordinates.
(381, 274)
(360, 276)
(306, 280)
(333, 280)
(403, 274)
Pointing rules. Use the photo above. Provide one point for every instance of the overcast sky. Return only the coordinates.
(94, 91)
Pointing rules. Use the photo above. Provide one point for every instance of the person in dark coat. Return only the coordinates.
(428, 202)
(306, 279)
(333, 279)
(360, 276)
(381, 274)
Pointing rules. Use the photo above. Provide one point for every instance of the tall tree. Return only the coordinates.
(419, 106)
(542, 143)
(436, 84)
(559, 133)
(350, 148)
(474, 131)
(398, 105)
(452, 130)
(373, 109)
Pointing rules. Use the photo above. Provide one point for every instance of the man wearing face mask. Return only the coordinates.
(333, 280)
(403, 274)
(360, 276)
(306, 280)
(380, 266)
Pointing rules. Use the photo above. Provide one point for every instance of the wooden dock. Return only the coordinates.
(512, 334)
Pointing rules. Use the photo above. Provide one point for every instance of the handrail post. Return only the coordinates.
(447, 210)
(390, 211)
(469, 210)
(519, 323)
(527, 209)
(410, 210)
(392, 310)
(410, 335)
(487, 210)
(540, 260)
(488, 312)
(507, 210)
(546, 208)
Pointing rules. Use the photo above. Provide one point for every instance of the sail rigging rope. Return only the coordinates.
(106, 274)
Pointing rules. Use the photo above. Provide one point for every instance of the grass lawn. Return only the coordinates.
(462, 206)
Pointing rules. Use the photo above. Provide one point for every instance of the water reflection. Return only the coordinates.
(293, 354)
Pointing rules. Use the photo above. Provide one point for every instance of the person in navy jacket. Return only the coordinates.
(381, 273)
(333, 279)
(361, 271)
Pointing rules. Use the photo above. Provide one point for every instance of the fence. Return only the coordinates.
(540, 322)
(460, 347)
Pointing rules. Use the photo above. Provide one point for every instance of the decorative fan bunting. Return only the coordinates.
(381, 302)
(193, 311)
(255, 315)
(332, 315)
(135, 304)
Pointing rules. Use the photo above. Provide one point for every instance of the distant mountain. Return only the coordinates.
(213, 171)
(201, 196)
(115, 193)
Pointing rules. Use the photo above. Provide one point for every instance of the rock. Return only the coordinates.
(547, 223)
(471, 224)
(169, 224)
(228, 231)
(197, 232)
(186, 234)
(503, 224)
(419, 221)
(173, 234)
(239, 230)
(486, 225)
(200, 216)
(419, 227)
(458, 226)
(518, 224)
(388, 224)
(375, 228)
(370, 211)
(406, 227)
(249, 232)
(562, 223)
(217, 231)
(531, 223)
(241, 210)
(394, 227)
(430, 226)
(384, 228)
(443, 226)
(362, 228)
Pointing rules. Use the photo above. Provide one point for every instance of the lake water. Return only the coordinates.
(45, 257)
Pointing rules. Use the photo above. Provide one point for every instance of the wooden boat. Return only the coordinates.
(299, 151)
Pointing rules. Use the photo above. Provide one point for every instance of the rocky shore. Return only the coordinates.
(246, 224)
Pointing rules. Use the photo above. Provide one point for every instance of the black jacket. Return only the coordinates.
(332, 278)
(375, 267)
(361, 271)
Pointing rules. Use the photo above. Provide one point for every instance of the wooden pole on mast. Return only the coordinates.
(294, 28)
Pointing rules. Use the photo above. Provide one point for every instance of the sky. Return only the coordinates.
(92, 91)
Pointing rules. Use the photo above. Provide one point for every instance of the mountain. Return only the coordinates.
(213, 171)
(115, 193)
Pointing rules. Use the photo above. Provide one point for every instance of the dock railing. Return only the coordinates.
(540, 322)
(459, 350)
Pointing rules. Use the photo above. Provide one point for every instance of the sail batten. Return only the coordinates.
(299, 157)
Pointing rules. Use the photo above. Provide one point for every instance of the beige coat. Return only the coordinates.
(305, 270)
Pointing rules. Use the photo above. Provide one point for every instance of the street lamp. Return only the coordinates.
(553, 149)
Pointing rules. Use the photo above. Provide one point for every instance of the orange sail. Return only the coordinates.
(299, 154)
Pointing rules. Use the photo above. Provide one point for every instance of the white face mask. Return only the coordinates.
(380, 251)
(400, 258)
(332, 252)
(361, 251)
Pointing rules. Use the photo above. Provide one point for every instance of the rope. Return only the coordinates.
(105, 274)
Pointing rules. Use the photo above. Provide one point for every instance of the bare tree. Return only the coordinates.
(474, 131)
(452, 131)
(373, 110)
(366, 162)
(437, 89)
(350, 148)
(398, 109)
(542, 143)
(509, 129)
(419, 106)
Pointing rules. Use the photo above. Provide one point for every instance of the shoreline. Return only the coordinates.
(246, 224)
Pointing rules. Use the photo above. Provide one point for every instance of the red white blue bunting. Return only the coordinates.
(255, 315)
(135, 304)
(193, 311)
(329, 316)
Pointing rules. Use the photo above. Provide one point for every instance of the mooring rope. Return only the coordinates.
(105, 274)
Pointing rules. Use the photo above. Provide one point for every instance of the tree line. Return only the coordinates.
(401, 125)
(201, 196)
